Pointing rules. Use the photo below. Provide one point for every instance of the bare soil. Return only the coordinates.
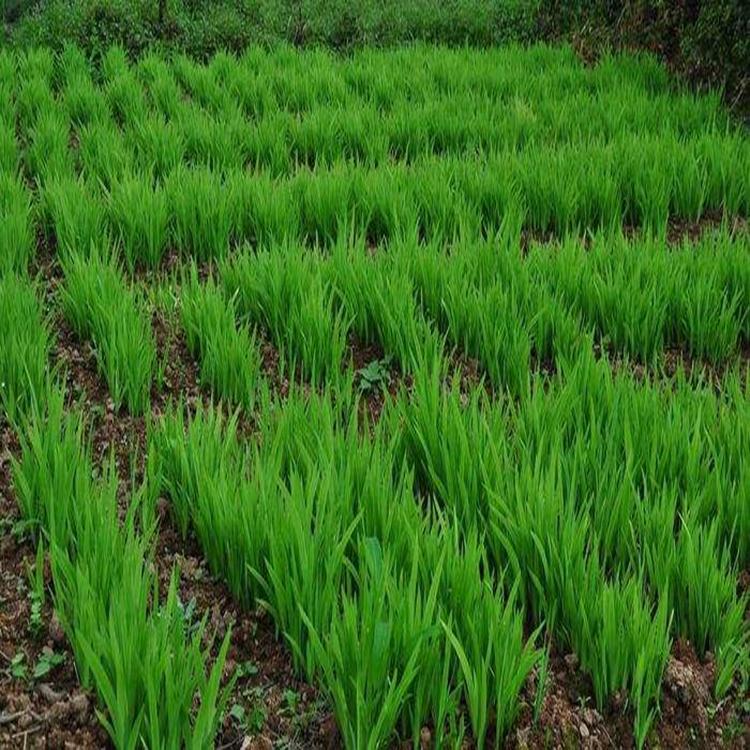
(689, 717)
(52, 711)
(278, 709)
(679, 231)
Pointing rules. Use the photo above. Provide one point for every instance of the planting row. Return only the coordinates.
(380, 604)
(153, 673)
(685, 174)
(495, 305)
(553, 191)
(558, 96)
(512, 313)
(612, 514)
(203, 214)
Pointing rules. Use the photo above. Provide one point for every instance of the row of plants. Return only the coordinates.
(155, 676)
(611, 510)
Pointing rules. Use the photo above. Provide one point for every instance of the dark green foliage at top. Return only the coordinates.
(706, 42)
(201, 28)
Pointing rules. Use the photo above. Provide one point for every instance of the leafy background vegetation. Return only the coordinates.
(706, 42)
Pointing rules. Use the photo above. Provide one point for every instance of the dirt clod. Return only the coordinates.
(684, 683)
(425, 738)
(592, 717)
(257, 743)
(56, 633)
(49, 694)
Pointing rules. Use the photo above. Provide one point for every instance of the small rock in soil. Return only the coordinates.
(687, 685)
(592, 717)
(257, 743)
(522, 738)
(79, 704)
(24, 720)
(425, 738)
(683, 682)
(55, 630)
(50, 695)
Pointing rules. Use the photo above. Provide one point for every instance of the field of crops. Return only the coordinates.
(398, 399)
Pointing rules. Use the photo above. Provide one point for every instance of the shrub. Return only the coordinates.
(200, 29)
(708, 42)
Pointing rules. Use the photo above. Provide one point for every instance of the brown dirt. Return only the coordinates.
(678, 232)
(744, 584)
(286, 709)
(171, 264)
(674, 360)
(689, 716)
(115, 434)
(470, 374)
(270, 359)
(54, 711)
(181, 380)
(372, 400)
(691, 230)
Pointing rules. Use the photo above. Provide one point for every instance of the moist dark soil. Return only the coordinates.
(691, 231)
(676, 360)
(373, 396)
(52, 711)
(272, 707)
(181, 378)
(276, 705)
(679, 231)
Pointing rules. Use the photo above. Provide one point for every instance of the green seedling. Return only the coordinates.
(247, 669)
(375, 376)
(47, 662)
(18, 668)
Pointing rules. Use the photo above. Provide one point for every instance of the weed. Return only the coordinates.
(47, 662)
(374, 376)
(18, 668)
